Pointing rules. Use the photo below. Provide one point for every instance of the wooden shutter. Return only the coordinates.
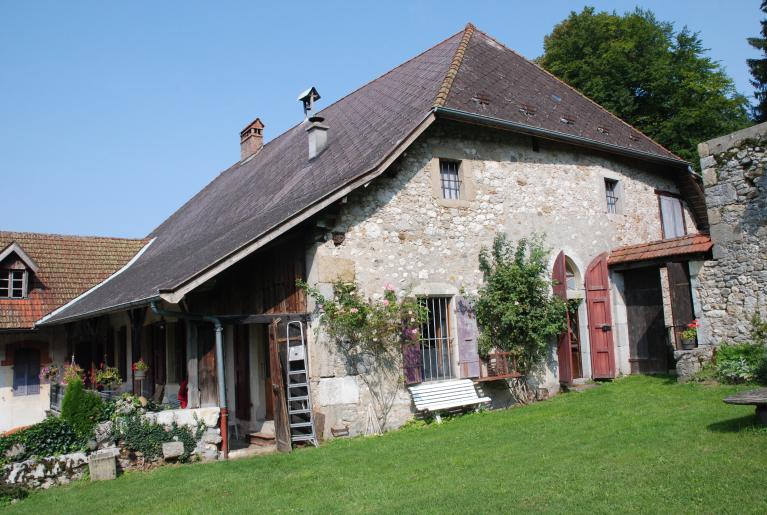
(412, 362)
(600, 319)
(26, 372)
(281, 421)
(564, 352)
(672, 216)
(122, 352)
(110, 350)
(242, 372)
(682, 310)
(468, 333)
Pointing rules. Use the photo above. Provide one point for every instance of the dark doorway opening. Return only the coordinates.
(649, 353)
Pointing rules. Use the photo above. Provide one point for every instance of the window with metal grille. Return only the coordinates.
(450, 179)
(611, 191)
(12, 284)
(436, 340)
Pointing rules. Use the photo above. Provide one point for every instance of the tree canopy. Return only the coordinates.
(647, 73)
(758, 68)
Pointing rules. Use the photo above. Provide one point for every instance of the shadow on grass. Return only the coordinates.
(736, 425)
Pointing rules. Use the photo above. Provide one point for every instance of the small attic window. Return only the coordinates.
(556, 98)
(527, 110)
(603, 130)
(481, 99)
(13, 284)
(567, 120)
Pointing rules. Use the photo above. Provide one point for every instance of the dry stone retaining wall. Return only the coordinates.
(733, 286)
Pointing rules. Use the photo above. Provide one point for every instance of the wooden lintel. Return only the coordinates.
(265, 318)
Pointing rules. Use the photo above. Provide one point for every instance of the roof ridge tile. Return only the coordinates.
(455, 66)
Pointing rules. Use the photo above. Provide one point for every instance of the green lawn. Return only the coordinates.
(640, 444)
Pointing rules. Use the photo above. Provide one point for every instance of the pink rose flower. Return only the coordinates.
(385, 302)
(353, 310)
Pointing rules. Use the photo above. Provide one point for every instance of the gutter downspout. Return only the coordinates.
(219, 329)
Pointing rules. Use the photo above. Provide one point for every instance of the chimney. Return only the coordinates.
(318, 136)
(251, 139)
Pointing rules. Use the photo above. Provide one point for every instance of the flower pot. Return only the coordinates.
(138, 375)
(688, 344)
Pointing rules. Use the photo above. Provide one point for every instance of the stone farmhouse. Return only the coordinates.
(402, 181)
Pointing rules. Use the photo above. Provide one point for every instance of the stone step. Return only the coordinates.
(262, 439)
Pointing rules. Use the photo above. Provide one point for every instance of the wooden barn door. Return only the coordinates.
(646, 327)
(564, 351)
(600, 319)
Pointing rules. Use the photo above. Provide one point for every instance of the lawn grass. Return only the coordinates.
(640, 444)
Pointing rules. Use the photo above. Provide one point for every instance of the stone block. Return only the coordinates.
(172, 450)
(725, 233)
(212, 436)
(331, 269)
(709, 177)
(102, 465)
(189, 417)
(714, 216)
(103, 434)
(338, 390)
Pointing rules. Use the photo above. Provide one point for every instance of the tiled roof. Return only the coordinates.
(676, 247)
(250, 199)
(68, 266)
(493, 80)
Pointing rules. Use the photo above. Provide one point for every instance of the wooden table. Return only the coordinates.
(756, 398)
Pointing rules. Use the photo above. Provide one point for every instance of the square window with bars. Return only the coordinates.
(611, 192)
(450, 179)
(12, 284)
(436, 340)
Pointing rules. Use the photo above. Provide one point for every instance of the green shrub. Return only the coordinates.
(140, 435)
(81, 408)
(50, 437)
(9, 493)
(740, 363)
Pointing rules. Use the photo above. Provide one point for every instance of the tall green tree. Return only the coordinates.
(758, 68)
(655, 78)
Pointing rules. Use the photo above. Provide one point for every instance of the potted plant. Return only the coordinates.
(139, 369)
(50, 373)
(72, 372)
(689, 335)
(108, 378)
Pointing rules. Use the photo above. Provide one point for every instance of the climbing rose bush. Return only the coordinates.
(516, 308)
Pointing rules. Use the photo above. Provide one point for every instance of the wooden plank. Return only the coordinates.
(281, 420)
(646, 326)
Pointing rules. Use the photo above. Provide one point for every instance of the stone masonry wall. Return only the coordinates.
(400, 231)
(733, 286)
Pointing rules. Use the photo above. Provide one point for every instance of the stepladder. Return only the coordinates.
(298, 391)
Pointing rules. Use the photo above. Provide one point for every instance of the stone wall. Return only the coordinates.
(399, 230)
(733, 286)
(46, 472)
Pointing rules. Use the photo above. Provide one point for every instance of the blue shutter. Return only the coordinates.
(26, 372)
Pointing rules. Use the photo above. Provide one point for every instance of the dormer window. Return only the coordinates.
(15, 267)
(13, 284)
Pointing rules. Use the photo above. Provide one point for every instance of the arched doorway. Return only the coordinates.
(568, 285)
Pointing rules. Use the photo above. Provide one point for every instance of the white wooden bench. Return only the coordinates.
(445, 395)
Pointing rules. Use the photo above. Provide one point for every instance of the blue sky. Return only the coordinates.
(113, 114)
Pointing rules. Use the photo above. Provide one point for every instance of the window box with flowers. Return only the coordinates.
(690, 336)
(139, 369)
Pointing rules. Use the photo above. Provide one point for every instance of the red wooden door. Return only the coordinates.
(600, 319)
(564, 352)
